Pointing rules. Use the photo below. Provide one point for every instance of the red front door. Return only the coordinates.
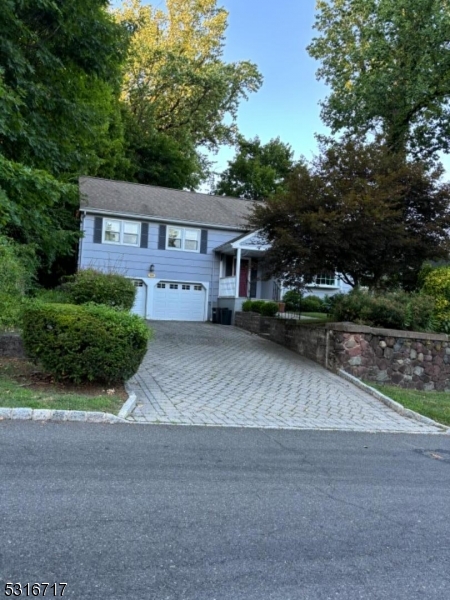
(243, 279)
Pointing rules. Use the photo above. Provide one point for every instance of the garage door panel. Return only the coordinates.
(174, 301)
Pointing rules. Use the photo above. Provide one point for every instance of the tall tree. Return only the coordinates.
(59, 114)
(388, 64)
(258, 170)
(359, 211)
(177, 86)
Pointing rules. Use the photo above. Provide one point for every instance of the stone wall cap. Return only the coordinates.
(399, 333)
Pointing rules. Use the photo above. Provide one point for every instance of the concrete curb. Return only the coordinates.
(80, 416)
(129, 406)
(405, 412)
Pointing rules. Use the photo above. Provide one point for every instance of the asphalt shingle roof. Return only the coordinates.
(157, 202)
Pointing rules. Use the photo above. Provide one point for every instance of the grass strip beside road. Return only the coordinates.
(434, 405)
(15, 395)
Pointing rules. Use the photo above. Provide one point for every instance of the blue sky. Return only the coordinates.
(274, 35)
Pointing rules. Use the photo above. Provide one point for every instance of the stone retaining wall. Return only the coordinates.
(405, 358)
(11, 345)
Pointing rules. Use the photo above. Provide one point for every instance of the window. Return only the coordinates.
(230, 266)
(173, 286)
(161, 286)
(324, 279)
(121, 232)
(179, 238)
(198, 288)
(185, 287)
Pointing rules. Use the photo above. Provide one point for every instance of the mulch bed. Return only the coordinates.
(31, 376)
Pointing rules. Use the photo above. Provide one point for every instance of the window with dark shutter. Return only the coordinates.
(162, 237)
(98, 227)
(144, 235)
(204, 242)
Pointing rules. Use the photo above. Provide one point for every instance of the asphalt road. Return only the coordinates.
(172, 513)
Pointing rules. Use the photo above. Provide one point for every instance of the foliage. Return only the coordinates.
(269, 309)
(53, 296)
(84, 343)
(396, 310)
(359, 211)
(262, 307)
(292, 299)
(16, 278)
(387, 64)
(111, 289)
(257, 171)
(436, 283)
(59, 115)
(311, 304)
(178, 90)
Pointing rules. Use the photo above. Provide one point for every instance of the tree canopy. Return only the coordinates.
(59, 115)
(388, 65)
(360, 211)
(178, 90)
(257, 171)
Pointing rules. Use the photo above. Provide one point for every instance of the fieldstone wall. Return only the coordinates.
(11, 345)
(408, 359)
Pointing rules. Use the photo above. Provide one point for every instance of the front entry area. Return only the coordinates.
(176, 301)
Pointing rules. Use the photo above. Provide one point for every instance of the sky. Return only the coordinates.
(274, 35)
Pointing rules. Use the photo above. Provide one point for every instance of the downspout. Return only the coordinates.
(80, 244)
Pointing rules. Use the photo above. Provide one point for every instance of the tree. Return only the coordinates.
(60, 68)
(359, 211)
(176, 85)
(257, 171)
(387, 63)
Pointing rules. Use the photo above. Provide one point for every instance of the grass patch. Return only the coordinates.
(434, 405)
(22, 385)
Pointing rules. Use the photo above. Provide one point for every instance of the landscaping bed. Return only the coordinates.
(23, 385)
(434, 405)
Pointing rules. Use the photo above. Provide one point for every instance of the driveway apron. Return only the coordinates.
(204, 374)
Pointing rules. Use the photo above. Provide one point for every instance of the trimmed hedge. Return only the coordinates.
(111, 289)
(84, 343)
(262, 307)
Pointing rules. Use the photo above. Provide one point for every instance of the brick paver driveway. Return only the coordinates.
(204, 374)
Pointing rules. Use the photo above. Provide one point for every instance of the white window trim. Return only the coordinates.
(183, 237)
(121, 233)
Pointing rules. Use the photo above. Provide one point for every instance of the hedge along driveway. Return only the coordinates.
(204, 374)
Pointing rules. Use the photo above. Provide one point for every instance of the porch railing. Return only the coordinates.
(227, 287)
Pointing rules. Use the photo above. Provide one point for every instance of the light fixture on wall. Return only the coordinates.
(151, 271)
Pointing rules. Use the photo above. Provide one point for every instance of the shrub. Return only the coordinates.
(396, 310)
(269, 309)
(111, 289)
(89, 342)
(257, 305)
(311, 304)
(247, 305)
(436, 283)
(292, 300)
(54, 296)
(15, 280)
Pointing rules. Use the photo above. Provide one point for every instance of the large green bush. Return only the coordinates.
(311, 304)
(84, 343)
(16, 276)
(269, 309)
(292, 300)
(111, 289)
(436, 283)
(396, 310)
(262, 307)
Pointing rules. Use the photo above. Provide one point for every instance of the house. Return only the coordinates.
(187, 253)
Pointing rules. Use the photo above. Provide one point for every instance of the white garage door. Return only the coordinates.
(140, 299)
(179, 301)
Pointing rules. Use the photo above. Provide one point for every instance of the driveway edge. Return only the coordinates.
(399, 408)
(37, 414)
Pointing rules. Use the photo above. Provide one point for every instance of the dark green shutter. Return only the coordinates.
(98, 228)
(144, 235)
(162, 237)
(204, 242)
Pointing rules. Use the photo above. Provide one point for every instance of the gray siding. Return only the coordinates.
(169, 264)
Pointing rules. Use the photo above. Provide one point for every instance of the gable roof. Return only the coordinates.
(108, 196)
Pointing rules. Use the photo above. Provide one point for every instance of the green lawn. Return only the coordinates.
(18, 389)
(435, 405)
